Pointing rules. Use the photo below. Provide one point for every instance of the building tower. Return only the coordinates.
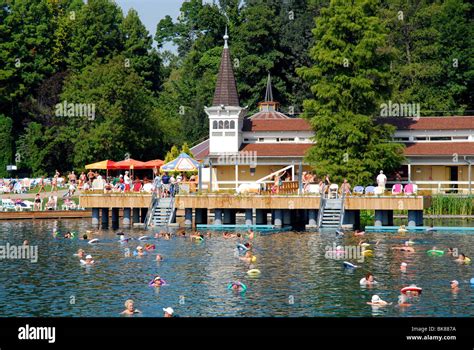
(225, 116)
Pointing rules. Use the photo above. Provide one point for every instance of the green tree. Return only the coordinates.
(6, 141)
(349, 74)
(172, 154)
(96, 34)
(139, 52)
(185, 149)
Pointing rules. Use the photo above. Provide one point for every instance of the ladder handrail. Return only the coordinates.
(151, 209)
(171, 210)
(341, 218)
(321, 206)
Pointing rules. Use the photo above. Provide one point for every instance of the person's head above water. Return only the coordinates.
(369, 277)
(454, 284)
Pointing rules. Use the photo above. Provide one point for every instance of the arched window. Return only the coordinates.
(214, 124)
(226, 124)
(232, 124)
(221, 124)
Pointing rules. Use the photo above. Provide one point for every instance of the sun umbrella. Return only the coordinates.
(103, 165)
(130, 164)
(155, 163)
(183, 163)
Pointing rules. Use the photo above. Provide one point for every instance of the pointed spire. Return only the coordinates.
(269, 93)
(226, 89)
(226, 37)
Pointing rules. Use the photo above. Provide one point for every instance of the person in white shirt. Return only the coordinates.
(381, 179)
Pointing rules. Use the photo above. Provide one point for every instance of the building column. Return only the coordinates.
(115, 218)
(277, 217)
(409, 172)
(312, 218)
(105, 217)
(352, 217)
(95, 216)
(248, 217)
(144, 211)
(136, 215)
(378, 218)
(415, 217)
(188, 217)
(286, 217)
(217, 216)
(260, 217)
(200, 216)
(388, 218)
(126, 217)
(229, 217)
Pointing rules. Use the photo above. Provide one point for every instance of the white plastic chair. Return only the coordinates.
(333, 189)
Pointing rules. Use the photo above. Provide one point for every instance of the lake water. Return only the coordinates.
(296, 280)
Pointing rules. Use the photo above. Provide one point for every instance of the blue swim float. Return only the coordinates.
(242, 248)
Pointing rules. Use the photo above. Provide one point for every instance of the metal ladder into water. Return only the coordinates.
(331, 211)
(161, 211)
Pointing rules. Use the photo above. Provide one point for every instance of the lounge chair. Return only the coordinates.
(358, 190)
(370, 190)
(410, 189)
(7, 204)
(333, 189)
(379, 191)
(397, 189)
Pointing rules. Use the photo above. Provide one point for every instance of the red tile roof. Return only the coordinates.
(265, 115)
(277, 149)
(439, 148)
(431, 123)
(290, 124)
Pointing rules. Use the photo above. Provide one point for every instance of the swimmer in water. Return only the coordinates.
(140, 251)
(197, 236)
(462, 258)
(129, 308)
(228, 235)
(157, 282)
(403, 267)
(84, 237)
(80, 253)
(168, 312)
(450, 251)
(250, 234)
(405, 248)
(88, 260)
(149, 247)
(167, 236)
(376, 301)
(402, 229)
(249, 258)
(237, 286)
(67, 235)
(26, 242)
(159, 257)
(368, 280)
(454, 286)
(403, 301)
(412, 293)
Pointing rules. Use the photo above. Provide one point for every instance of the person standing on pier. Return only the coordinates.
(381, 179)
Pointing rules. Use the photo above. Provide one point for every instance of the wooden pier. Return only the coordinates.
(284, 209)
